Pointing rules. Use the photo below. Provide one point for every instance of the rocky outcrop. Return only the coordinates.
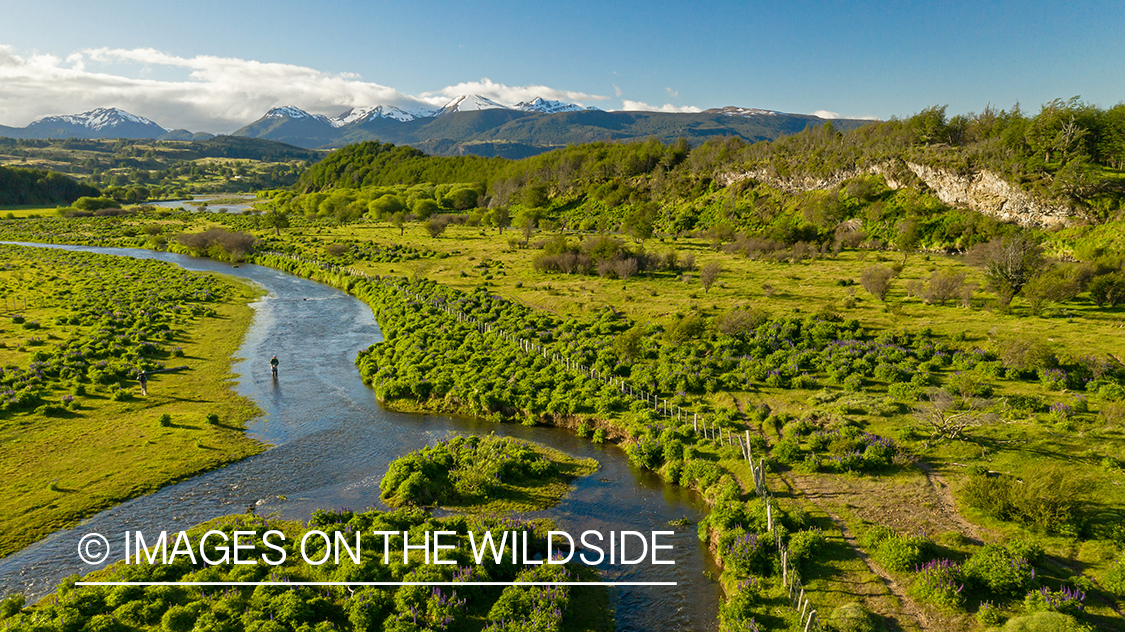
(981, 191)
(988, 193)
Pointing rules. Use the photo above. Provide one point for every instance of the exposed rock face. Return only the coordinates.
(988, 193)
(983, 191)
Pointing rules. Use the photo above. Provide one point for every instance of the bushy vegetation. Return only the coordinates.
(33, 186)
(472, 471)
(320, 609)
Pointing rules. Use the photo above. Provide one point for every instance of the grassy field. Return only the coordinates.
(1022, 441)
(60, 463)
(927, 501)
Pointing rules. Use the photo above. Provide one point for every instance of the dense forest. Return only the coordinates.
(33, 186)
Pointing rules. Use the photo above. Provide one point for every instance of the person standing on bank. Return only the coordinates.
(143, 379)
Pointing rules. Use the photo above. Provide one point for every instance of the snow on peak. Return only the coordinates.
(470, 103)
(539, 104)
(359, 115)
(289, 111)
(100, 118)
(732, 110)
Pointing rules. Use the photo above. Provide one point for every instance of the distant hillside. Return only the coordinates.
(513, 133)
(33, 186)
(928, 180)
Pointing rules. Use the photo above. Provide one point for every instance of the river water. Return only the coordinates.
(332, 443)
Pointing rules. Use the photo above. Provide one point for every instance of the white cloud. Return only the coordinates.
(220, 94)
(616, 90)
(508, 95)
(667, 107)
(673, 93)
(827, 114)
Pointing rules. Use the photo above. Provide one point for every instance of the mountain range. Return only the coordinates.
(468, 124)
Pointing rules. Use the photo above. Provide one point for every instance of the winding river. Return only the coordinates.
(332, 443)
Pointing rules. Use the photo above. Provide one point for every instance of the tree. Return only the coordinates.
(877, 281)
(436, 225)
(1108, 290)
(398, 220)
(385, 206)
(1009, 263)
(500, 218)
(640, 222)
(275, 220)
(709, 274)
(424, 207)
(535, 196)
(947, 417)
(909, 237)
(628, 344)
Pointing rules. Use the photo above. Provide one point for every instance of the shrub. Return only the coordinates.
(599, 436)
(219, 243)
(999, 571)
(745, 554)
(989, 614)
(787, 451)
(11, 606)
(877, 281)
(939, 582)
(1114, 579)
(902, 552)
(1067, 600)
(165, 420)
(803, 545)
(212, 419)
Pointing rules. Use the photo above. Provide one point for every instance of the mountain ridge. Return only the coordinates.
(467, 124)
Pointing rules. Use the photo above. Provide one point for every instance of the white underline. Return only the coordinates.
(376, 584)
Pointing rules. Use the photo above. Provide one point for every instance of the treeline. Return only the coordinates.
(1069, 152)
(34, 186)
(1061, 153)
(370, 164)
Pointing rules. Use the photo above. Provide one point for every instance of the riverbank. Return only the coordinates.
(483, 475)
(90, 439)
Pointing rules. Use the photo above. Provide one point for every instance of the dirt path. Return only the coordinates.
(944, 495)
(908, 611)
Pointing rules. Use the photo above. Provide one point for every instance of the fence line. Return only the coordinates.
(713, 431)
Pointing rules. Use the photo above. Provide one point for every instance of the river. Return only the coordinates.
(333, 441)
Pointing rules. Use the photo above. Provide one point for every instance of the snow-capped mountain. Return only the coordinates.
(97, 123)
(360, 115)
(732, 110)
(295, 113)
(539, 104)
(470, 103)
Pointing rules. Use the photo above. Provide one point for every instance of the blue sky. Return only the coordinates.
(210, 65)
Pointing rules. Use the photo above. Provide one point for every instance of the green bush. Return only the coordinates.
(939, 582)
(988, 614)
(165, 420)
(803, 545)
(997, 570)
(11, 606)
(599, 436)
(902, 552)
